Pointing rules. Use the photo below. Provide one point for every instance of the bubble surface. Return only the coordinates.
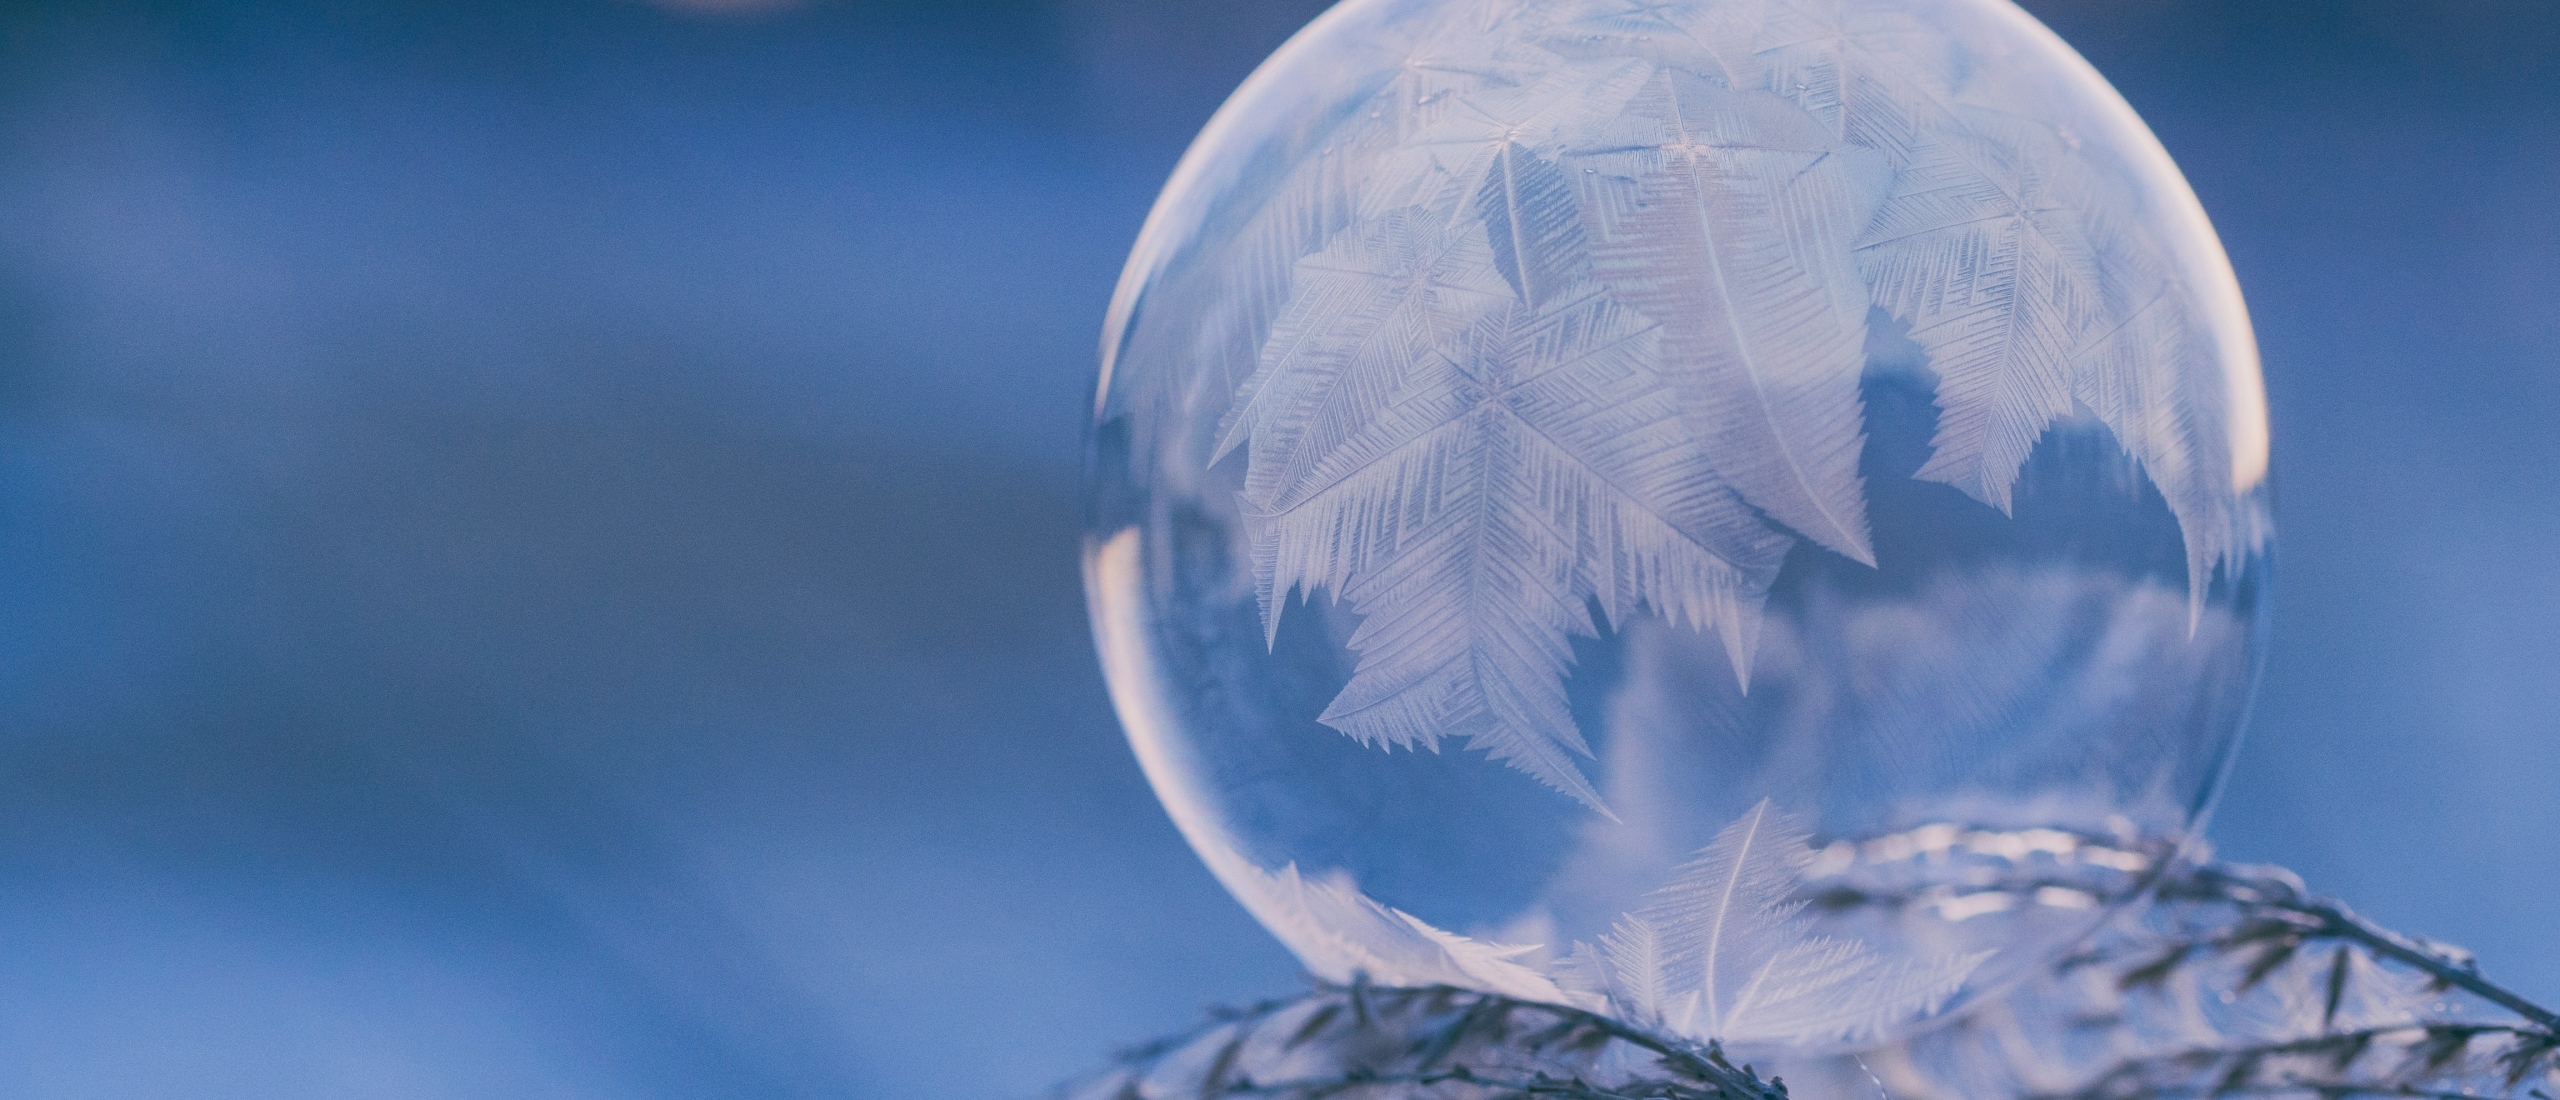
(1744, 515)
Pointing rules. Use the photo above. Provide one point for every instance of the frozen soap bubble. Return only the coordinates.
(1744, 515)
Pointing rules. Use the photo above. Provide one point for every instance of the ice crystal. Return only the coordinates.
(1575, 310)
(1725, 952)
(1344, 935)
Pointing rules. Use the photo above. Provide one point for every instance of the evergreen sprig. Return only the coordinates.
(2218, 981)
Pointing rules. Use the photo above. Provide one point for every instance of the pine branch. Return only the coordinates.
(2216, 981)
(2275, 891)
(1366, 1041)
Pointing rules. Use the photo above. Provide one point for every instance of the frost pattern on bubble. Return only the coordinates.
(1725, 952)
(1695, 408)
(1722, 952)
(1343, 935)
(1573, 310)
(1471, 489)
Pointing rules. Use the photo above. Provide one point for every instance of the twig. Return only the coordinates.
(2214, 930)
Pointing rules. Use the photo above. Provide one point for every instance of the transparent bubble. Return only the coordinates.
(1745, 515)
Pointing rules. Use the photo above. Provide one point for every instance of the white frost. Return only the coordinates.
(1574, 309)
(1724, 952)
(1341, 934)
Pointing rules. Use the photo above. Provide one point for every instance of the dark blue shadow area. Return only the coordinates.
(537, 539)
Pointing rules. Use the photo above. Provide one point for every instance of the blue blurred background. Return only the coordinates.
(536, 553)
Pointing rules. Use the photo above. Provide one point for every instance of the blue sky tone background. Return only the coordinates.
(536, 549)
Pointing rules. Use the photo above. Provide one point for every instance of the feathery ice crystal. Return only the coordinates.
(1575, 483)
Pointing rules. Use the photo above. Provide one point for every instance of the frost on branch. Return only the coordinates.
(2230, 982)
(1371, 1043)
